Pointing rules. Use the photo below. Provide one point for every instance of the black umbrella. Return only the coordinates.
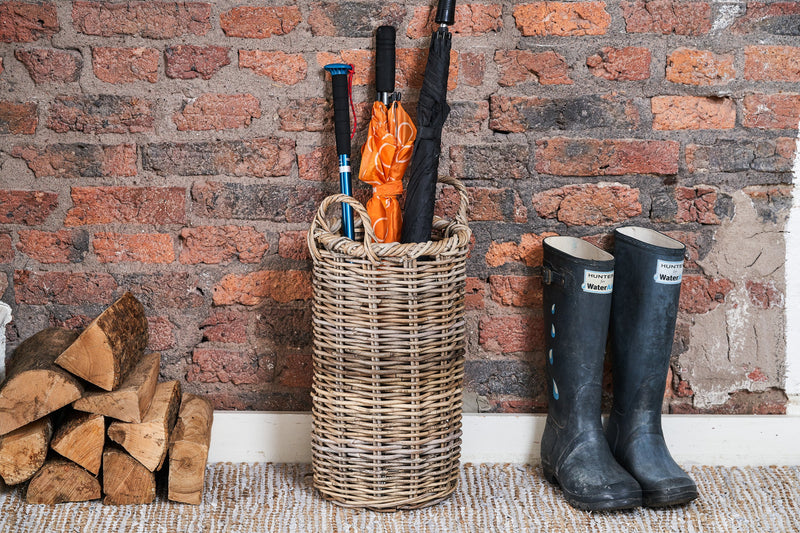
(432, 111)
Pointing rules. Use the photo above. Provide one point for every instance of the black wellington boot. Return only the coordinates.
(578, 279)
(645, 307)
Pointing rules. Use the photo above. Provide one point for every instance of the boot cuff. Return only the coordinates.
(650, 240)
(578, 251)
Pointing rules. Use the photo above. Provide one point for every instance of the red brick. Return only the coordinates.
(562, 18)
(225, 325)
(728, 155)
(777, 18)
(589, 204)
(215, 365)
(485, 204)
(467, 117)
(18, 118)
(772, 63)
(217, 112)
(125, 65)
(520, 66)
(693, 113)
(165, 290)
(101, 114)
(63, 246)
(511, 333)
(6, 249)
(700, 67)
(162, 334)
(26, 207)
(353, 18)
(255, 287)
(475, 293)
(516, 114)
(134, 247)
(771, 111)
(485, 161)
(613, 157)
(66, 288)
(286, 327)
(472, 68)
(152, 20)
(311, 114)
(528, 251)
(631, 63)
(260, 157)
(293, 245)
(764, 294)
(79, 160)
(187, 61)
(517, 291)
(295, 370)
(700, 294)
(667, 16)
(259, 22)
(247, 201)
(22, 22)
(129, 205)
(222, 244)
(696, 204)
(470, 19)
(46, 65)
(320, 164)
(288, 69)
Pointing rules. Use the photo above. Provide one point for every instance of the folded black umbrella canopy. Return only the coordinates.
(432, 111)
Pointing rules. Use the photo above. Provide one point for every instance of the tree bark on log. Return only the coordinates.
(59, 481)
(188, 451)
(34, 386)
(80, 438)
(132, 399)
(126, 480)
(110, 346)
(148, 441)
(24, 450)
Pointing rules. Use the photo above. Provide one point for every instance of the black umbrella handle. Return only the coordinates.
(385, 62)
(446, 12)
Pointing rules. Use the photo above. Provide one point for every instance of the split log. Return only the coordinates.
(34, 386)
(126, 480)
(110, 346)
(24, 450)
(132, 399)
(80, 438)
(188, 450)
(148, 440)
(61, 480)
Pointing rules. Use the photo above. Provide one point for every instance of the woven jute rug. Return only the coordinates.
(491, 497)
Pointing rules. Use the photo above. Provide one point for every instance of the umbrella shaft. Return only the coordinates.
(346, 187)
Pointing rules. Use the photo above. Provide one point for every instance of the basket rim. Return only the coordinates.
(457, 233)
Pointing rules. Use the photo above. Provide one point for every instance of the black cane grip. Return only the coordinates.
(384, 59)
(341, 113)
(446, 12)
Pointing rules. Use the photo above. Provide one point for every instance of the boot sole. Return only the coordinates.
(668, 498)
(588, 504)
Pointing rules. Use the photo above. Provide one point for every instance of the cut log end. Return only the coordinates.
(24, 450)
(80, 439)
(126, 480)
(110, 345)
(188, 452)
(59, 481)
(34, 386)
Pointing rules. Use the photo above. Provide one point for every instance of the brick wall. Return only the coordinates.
(179, 151)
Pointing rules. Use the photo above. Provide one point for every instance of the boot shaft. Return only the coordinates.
(578, 280)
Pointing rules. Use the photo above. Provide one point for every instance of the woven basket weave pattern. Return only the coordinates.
(389, 340)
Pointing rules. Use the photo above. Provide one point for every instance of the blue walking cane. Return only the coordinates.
(340, 76)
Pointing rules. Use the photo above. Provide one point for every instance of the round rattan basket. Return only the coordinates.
(389, 342)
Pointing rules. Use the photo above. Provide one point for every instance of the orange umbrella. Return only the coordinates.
(384, 159)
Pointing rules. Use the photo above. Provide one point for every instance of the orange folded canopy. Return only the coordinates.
(384, 159)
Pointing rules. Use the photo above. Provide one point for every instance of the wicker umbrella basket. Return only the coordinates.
(389, 342)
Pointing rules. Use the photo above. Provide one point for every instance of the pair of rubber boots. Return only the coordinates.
(629, 464)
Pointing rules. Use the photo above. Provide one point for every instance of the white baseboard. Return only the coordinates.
(716, 440)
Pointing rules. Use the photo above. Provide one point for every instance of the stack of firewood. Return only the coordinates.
(78, 408)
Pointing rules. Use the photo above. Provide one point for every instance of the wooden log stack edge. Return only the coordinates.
(83, 416)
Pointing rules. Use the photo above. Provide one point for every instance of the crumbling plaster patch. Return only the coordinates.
(746, 247)
(792, 384)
